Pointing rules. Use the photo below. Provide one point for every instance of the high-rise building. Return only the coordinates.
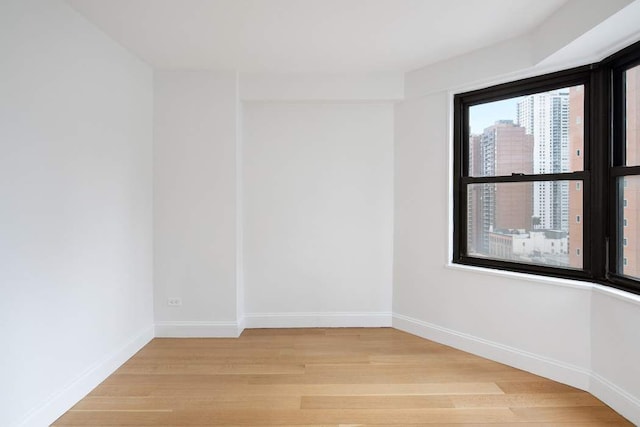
(474, 195)
(502, 149)
(631, 184)
(628, 242)
(545, 116)
(576, 162)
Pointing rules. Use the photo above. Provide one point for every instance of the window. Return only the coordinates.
(519, 181)
(625, 171)
(531, 155)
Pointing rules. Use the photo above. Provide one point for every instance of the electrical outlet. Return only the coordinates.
(174, 302)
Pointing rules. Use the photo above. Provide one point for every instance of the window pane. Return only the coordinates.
(632, 119)
(533, 134)
(628, 243)
(521, 222)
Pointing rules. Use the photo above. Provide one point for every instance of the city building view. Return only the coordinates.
(535, 222)
(541, 222)
(630, 210)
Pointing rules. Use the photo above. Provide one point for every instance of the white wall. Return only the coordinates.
(235, 188)
(368, 87)
(615, 340)
(318, 221)
(513, 313)
(573, 332)
(75, 208)
(195, 211)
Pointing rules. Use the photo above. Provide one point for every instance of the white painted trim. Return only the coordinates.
(620, 400)
(239, 198)
(618, 294)
(545, 280)
(318, 320)
(556, 370)
(62, 400)
(197, 329)
(241, 325)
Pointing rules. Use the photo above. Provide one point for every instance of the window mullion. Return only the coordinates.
(568, 176)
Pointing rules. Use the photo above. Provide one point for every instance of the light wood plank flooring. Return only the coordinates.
(327, 377)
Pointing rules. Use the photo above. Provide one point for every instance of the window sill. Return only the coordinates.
(550, 281)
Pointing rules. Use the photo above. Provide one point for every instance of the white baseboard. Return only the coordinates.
(61, 401)
(621, 401)
(540, 365)
(230, 329)
(57, 404)
(318, 320)
(195, 329)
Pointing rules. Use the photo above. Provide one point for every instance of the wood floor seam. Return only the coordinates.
(328, 377)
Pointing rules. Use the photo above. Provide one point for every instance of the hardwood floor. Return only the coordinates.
(324, 377)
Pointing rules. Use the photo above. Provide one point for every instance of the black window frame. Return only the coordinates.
(617, 65)
(602, 218)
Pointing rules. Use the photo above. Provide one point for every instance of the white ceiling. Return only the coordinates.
(307, 36)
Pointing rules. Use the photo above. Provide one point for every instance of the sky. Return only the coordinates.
(484, 115)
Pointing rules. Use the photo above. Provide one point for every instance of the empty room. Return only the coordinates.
(319, 212)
